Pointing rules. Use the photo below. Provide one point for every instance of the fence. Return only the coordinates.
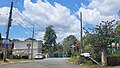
(113, 60)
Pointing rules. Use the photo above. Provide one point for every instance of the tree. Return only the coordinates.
(101, 38)
(68, 42)
(117, 29)
(59, 49)
(49, 39)
(15, 40)
(77, 45)
(91, 45)
(29, 39)
(104, 34)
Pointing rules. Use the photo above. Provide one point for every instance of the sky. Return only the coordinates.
(64, 15)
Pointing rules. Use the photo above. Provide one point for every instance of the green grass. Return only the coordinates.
(86, 64)
(15, 61)
(92, 66)
(1, 62)
(73, 59)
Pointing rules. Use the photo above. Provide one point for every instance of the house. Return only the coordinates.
(24, 47)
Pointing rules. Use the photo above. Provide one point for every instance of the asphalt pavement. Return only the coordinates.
(45, 63)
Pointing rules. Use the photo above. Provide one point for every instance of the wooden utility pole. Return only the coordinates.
(80, 47)
(81, 30)
(7, 33)
(32, 44)
(9, 21)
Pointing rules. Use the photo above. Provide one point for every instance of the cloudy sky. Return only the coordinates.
(62, 14)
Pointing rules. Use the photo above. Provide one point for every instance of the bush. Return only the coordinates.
(97, 56)
(88, 62)
(74, 59)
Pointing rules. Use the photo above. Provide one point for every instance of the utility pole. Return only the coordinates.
(80, 47)
(8, 29)
(9, 21)
(81, 30)
(32, 44)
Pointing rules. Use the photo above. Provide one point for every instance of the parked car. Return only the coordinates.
(39, 56)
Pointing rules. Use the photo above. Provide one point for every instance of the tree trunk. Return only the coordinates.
(104, 56)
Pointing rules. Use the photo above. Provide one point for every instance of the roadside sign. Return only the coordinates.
(5, 42)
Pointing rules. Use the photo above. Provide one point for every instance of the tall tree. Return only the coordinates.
(68, 42)
(104, 34)
(50, 39)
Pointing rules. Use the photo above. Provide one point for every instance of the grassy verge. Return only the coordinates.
(1, 62)
(86, 64)
(73, 60)
(14, 61)
(18, 60)
(93, 66)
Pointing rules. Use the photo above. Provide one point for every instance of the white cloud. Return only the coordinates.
(94, 17)
(44, 14)
(3, 36)
(106, 7)
(99, 10)
(21, 39)
(4, 14)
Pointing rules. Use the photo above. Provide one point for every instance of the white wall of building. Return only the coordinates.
(21, 46)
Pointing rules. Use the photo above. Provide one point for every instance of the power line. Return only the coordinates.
(25, 28)
(31, 20)
(24, 25)
(22, 17)
(28, 19)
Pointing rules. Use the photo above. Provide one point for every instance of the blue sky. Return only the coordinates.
(62, 14)
(73, 5)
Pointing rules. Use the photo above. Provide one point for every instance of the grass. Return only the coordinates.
(1, 62)
(92, 66)
(86, 64)
(14, 61)
(73, 59)
(17, 60)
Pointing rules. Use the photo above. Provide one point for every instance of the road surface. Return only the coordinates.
(46, 63)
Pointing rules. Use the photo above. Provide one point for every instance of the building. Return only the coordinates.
(24, 47)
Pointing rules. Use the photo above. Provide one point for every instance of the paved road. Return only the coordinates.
(46, 63)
